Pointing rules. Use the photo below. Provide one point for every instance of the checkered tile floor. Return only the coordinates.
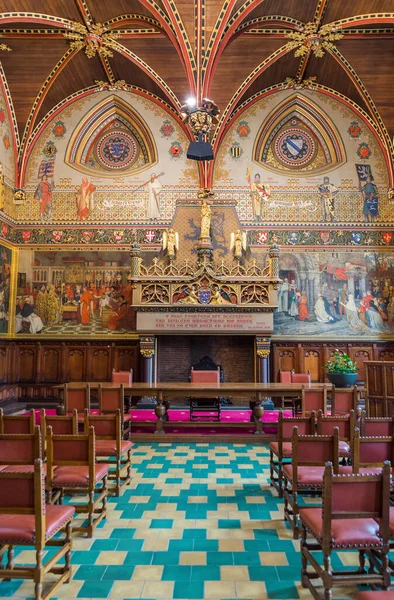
(198, 521)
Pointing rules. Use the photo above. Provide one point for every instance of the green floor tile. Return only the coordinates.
(188, 589)
(118, 572)
(206, 573)
(90, 572)
(220, 558)
(165, 558)
(95, 589)
(173, 573)
(194, 534)
(229, 524)
(281, 590)
(161, 524)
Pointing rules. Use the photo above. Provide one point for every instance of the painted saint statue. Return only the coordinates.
(205, 220)
(85, 199)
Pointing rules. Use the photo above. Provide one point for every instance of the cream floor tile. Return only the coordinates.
(255, 499)
(274, 559)
(219, 534)
(79, 543)
(219, 589)
(197, 499)
(242, 534)
(142, 534)
(113, 557)
(148, 573)
(155, 545)
(193, 558)
(231, 546)
(139, 499)
(232, 573)
(251, 589)
(139, 523)
(349, 559)
(26, 557)
(206, 523)
(127, 589)
(169, 534)
(158, 589)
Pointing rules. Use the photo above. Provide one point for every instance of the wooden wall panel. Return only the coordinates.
(312, 361)
(285, 359)
(50, 364)
(99, 364)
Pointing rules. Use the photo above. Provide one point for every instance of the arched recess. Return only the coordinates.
(111, 138)
(298, 136)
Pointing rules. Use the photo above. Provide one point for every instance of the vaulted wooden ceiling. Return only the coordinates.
(229, 50)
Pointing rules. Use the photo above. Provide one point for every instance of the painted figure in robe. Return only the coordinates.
(85, 199)
(85, 306)
(2, 188)
(259, 193)
(371, 200)
(43, 193)
(154, 188)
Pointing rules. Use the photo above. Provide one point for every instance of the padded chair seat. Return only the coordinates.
(108, 447)
(77, 476)
(21, 468)
(387, 595)
(345, 533)
(286, 449)
(20, 529)
(344, 449)
(363, 470)
(307, 476)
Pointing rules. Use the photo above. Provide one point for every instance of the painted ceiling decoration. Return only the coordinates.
(228, 50)
(299, 137)
(112, 138)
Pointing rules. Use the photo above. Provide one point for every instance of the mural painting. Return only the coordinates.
(73, 293)
(335, 295)
(5, 288)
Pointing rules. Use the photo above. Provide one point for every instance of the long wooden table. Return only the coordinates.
(255, 392)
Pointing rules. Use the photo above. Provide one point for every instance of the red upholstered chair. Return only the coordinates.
(285, 377)
(346, 426)
(19, 451)
(300, 377)
(72, 468)
(109, 445)
(376, 426)
(282, 449)
(125, 377)
(17, 423)
(76, 397)
(112, 399)
(370, 453)
(354, 516)
(26, 521)
(61, 424)
(343, 400)
(305, 474)
(313, 400)
(204, 405)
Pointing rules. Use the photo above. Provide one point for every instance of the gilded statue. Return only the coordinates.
(238, 243)
(171, 242)
(191, 297)
(205, 220)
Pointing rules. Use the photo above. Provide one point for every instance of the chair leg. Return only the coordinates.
(304, 560)
(327, 577)
(38, 575)
(10, 554)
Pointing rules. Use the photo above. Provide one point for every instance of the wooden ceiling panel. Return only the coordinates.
(303, 10)
(80, 72)
(212, 11)
(59, 8)
(374, 65)
(27, 67)
(284, 67)
(108, 9)
(341, 9)
(186, 12)
(239, 59)
(329, 73)
(161, 55)
(123, 68)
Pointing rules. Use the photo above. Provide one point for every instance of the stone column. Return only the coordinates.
(147, 349)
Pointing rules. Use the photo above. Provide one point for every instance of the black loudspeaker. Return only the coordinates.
(200, 150)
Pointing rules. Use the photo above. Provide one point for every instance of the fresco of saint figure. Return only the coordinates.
(43, 193)
(85, 199)
(327, 193)
(259, 193)
(154, 187)
(371, 200)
